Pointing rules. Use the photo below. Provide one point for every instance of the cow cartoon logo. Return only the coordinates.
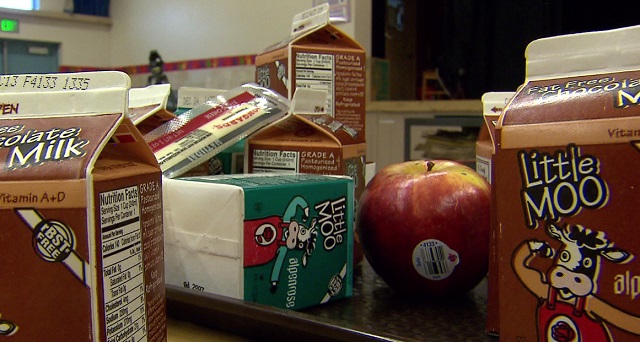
(569, 309)
(274, 237)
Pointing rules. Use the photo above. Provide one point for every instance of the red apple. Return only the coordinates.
(424, 227)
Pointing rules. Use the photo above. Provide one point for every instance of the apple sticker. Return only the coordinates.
(434, 260)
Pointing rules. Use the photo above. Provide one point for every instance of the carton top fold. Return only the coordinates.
(577, 54)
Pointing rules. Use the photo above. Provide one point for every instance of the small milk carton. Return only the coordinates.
(492, 105)
(308, 142)
(148, 106)
(318, 56)
(284, 240)
(567, 183)
(81, 213)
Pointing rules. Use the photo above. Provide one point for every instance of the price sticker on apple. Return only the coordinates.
(434, 260)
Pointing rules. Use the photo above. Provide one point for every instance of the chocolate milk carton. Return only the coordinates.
(492, 105)
(148, 106)
(567, 182)
(81, 241)
(308, 141)
(318, 56)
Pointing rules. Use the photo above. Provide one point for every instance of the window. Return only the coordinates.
(20, 4)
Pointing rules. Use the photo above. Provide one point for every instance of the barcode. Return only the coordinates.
(435, 260)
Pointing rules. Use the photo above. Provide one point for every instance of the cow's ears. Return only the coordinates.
(616, 255)
(554, 231)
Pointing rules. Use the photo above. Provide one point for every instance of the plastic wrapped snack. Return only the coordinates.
(204, 131)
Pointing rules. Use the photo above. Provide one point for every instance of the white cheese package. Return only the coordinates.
(199, 134)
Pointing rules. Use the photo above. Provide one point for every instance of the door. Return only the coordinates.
(21, 57)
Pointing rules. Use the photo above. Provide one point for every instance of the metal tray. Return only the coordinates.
(374, 313)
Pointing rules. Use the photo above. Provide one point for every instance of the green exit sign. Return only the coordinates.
(8, 25)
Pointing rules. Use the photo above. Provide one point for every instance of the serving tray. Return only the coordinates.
(374, 313)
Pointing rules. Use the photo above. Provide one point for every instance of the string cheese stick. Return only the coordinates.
(200, 134)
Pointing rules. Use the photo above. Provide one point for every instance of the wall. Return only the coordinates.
(82, 43)
(180, 31)
(196, 29)
(204, 28)
(191, 29)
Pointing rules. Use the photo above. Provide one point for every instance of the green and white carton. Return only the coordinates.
(284, 240)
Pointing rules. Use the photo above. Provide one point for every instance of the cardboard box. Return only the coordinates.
(318, 56)
(81, 212)
(492, 105)
(148, 106)
(567, 176)
(283, 240)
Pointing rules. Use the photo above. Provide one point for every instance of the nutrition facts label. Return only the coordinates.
(315, 71)
(275, 161)
(123, 270)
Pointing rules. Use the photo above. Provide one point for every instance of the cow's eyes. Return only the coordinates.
(565, 256)
(587, 262)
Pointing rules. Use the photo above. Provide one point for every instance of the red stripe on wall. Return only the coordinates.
(207, 63)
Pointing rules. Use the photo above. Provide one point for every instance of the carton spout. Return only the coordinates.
(310, 19)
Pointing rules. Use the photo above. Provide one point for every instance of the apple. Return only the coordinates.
(424, 227)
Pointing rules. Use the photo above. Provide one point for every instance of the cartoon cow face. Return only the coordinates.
(578, 261)
(299, 236)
